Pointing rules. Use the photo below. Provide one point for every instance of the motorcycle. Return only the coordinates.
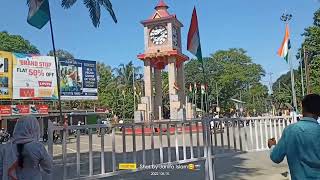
(107, 130)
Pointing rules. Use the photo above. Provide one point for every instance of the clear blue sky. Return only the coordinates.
(250, 24)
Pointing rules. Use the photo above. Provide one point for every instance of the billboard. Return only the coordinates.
(5, 75)
(78, 79)
(34, 77)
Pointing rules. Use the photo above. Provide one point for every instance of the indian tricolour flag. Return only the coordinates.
(39, 13)
(194, 37)
(285, 46)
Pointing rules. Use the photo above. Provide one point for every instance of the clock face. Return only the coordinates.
(175, 37)
(158, 35)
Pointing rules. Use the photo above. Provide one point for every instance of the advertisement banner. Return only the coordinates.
(34, 77)
(78, 79)
(20, 109)
(101, 110)
(8, 110)
(39, 109)
(5, 110)
(5, 75)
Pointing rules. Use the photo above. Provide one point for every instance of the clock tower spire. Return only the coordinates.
(161, 4)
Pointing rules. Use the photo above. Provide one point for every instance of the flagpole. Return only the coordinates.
(286, 18)
(294, 96)
(201, 103)
(57, 66)
(195, 96)
(134, 89)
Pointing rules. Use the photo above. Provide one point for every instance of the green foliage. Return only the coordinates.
(94, 7)
(165, 94)
(312, 47)
(282, 91)
(257, 98)
(61, 54)
(125, 76)
(233, 73)
(16, 43)
(315, 74)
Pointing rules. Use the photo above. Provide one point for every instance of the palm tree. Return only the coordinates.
(94, 7)
(124, 74)
(129, 82)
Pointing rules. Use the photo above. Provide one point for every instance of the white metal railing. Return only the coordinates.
(89, 156)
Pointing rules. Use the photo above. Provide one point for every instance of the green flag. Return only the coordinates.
(39, 13)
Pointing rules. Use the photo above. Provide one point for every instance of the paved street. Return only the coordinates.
(249, 166)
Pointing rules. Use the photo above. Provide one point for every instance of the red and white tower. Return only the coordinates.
(162, 39)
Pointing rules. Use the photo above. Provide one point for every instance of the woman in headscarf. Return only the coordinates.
(24, 156)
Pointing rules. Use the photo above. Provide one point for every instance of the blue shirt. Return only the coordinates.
(300, 142)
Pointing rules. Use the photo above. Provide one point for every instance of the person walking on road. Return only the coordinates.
(300, 143)
(24, 156)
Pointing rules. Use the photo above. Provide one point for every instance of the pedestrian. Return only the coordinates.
(300, 143)
(24, 156)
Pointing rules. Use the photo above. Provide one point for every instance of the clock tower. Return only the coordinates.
(162, 40)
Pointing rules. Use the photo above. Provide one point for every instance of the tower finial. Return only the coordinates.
(161, 4)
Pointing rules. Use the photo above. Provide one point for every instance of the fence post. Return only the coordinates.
(50, 138)
(209, 168)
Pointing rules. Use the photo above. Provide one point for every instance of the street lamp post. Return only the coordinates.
(286, 18)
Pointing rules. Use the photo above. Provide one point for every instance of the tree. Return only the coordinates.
(61, 54)
(312, 46)
(312, 37)
(229, 74)
(16, 43)
(116, 89)
(94, 7)
(165, 95)
(256, 98)
(282, 91)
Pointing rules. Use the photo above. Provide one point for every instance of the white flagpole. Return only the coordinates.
(294, 96)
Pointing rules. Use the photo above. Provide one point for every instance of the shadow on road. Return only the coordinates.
(232, 166)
